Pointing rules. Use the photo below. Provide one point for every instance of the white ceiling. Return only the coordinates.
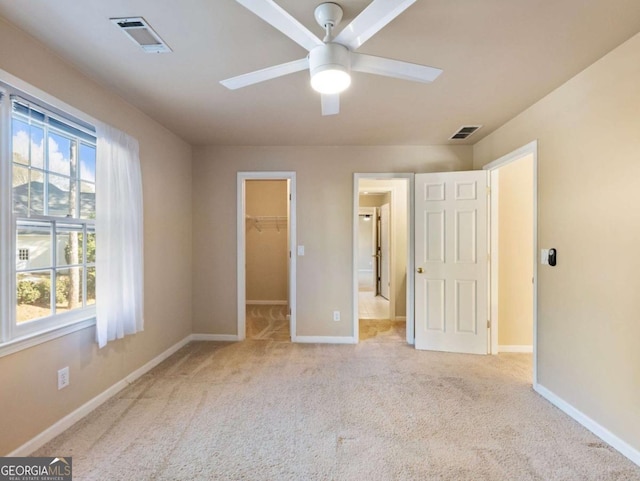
(498, 56)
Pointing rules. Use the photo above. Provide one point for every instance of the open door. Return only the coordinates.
(451, 260)
(384, 252)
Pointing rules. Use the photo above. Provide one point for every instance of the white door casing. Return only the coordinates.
(242, 177)
(451, 249)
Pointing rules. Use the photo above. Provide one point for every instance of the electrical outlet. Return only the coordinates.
(63, 377)
(336, 315)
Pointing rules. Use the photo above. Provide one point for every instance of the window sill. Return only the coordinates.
(31, 340)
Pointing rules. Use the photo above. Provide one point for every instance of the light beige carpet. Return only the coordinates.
(268, 410)
(268, 322)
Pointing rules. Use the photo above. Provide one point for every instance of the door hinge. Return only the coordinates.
(488, 190)
(289, 196)
(489, 324)
(488, 257)
(289, 254)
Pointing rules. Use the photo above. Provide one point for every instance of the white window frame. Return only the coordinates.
(14, 337)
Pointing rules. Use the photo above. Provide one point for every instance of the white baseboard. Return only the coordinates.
(214, 337)
(603, 433)
(515, 348)
(70, 419)
(266, 303)
(324, 339)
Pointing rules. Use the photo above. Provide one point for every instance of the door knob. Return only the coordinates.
(420, 270)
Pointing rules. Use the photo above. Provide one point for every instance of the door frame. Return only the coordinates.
(409, 178)
(242, 245)
(530, 149)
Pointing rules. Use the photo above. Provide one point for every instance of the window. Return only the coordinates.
(52, 169)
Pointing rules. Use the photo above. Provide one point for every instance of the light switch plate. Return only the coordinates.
(300, 250)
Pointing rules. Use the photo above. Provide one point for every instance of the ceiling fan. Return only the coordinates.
(331, 60)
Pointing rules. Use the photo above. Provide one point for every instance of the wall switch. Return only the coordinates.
(544, 257)
(63, 377)
(336, 315)
(300, 250)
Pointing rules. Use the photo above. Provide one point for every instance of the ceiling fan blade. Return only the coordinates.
(280, 19)
(330, 104)
(393, 68)
(372, 19)
(265, 74)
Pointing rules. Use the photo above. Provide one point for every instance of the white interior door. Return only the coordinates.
(451, 260)
(385, 252)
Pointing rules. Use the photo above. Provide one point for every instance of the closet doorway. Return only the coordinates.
(266, 291)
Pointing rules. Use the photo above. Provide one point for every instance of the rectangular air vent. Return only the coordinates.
(138, 30)
(464, 132)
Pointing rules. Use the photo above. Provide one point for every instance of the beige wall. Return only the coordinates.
(324, 177)
(588, 198)
(515, 240)
(267, 253)
(29, 399)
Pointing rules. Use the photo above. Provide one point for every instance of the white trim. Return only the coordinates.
(70, 419)
(31, 340)
(603, 433)
(409, 177)
(494, 256)
(7, 259)
(241, 246)
(529, 149)
(325, 340)
(266, 303)
(215, 337)
(515, 348)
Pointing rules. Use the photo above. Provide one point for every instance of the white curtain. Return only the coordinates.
(119, 236)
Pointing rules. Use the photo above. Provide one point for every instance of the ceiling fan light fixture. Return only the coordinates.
(329, 65)
(331, 81)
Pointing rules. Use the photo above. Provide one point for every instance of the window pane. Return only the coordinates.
(68, 289)
(59, 154)
(36, 192)
(91, 247)
(87, 200)
(69, 245)
(59, 195)
(91, 285)
(37, 147)
(88, 162)
(20, 141)
(33, 296)
(20, 190)
(33, 246)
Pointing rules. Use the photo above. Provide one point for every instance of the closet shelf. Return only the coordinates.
(266, 222)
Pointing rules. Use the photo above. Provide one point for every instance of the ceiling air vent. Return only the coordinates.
(464, 132)
(138, 30)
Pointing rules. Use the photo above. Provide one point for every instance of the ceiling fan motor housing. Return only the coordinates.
(330, 56)
(328, 14)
